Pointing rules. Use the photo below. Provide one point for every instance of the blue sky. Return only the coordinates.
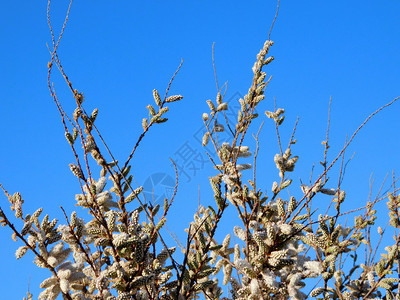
(116, 53)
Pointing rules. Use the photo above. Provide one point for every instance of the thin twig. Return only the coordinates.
(342, 151)
(215, 70)
(255, 156)
(273, 22)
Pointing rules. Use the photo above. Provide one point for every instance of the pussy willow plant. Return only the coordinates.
(120, 252)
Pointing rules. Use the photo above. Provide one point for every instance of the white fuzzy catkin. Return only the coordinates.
(240, 233)
(314, 267)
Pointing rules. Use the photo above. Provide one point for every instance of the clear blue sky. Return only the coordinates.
(117, 52)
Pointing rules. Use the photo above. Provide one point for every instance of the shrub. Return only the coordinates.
(282, 241)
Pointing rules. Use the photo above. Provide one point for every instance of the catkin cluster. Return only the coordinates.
(117, 250)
